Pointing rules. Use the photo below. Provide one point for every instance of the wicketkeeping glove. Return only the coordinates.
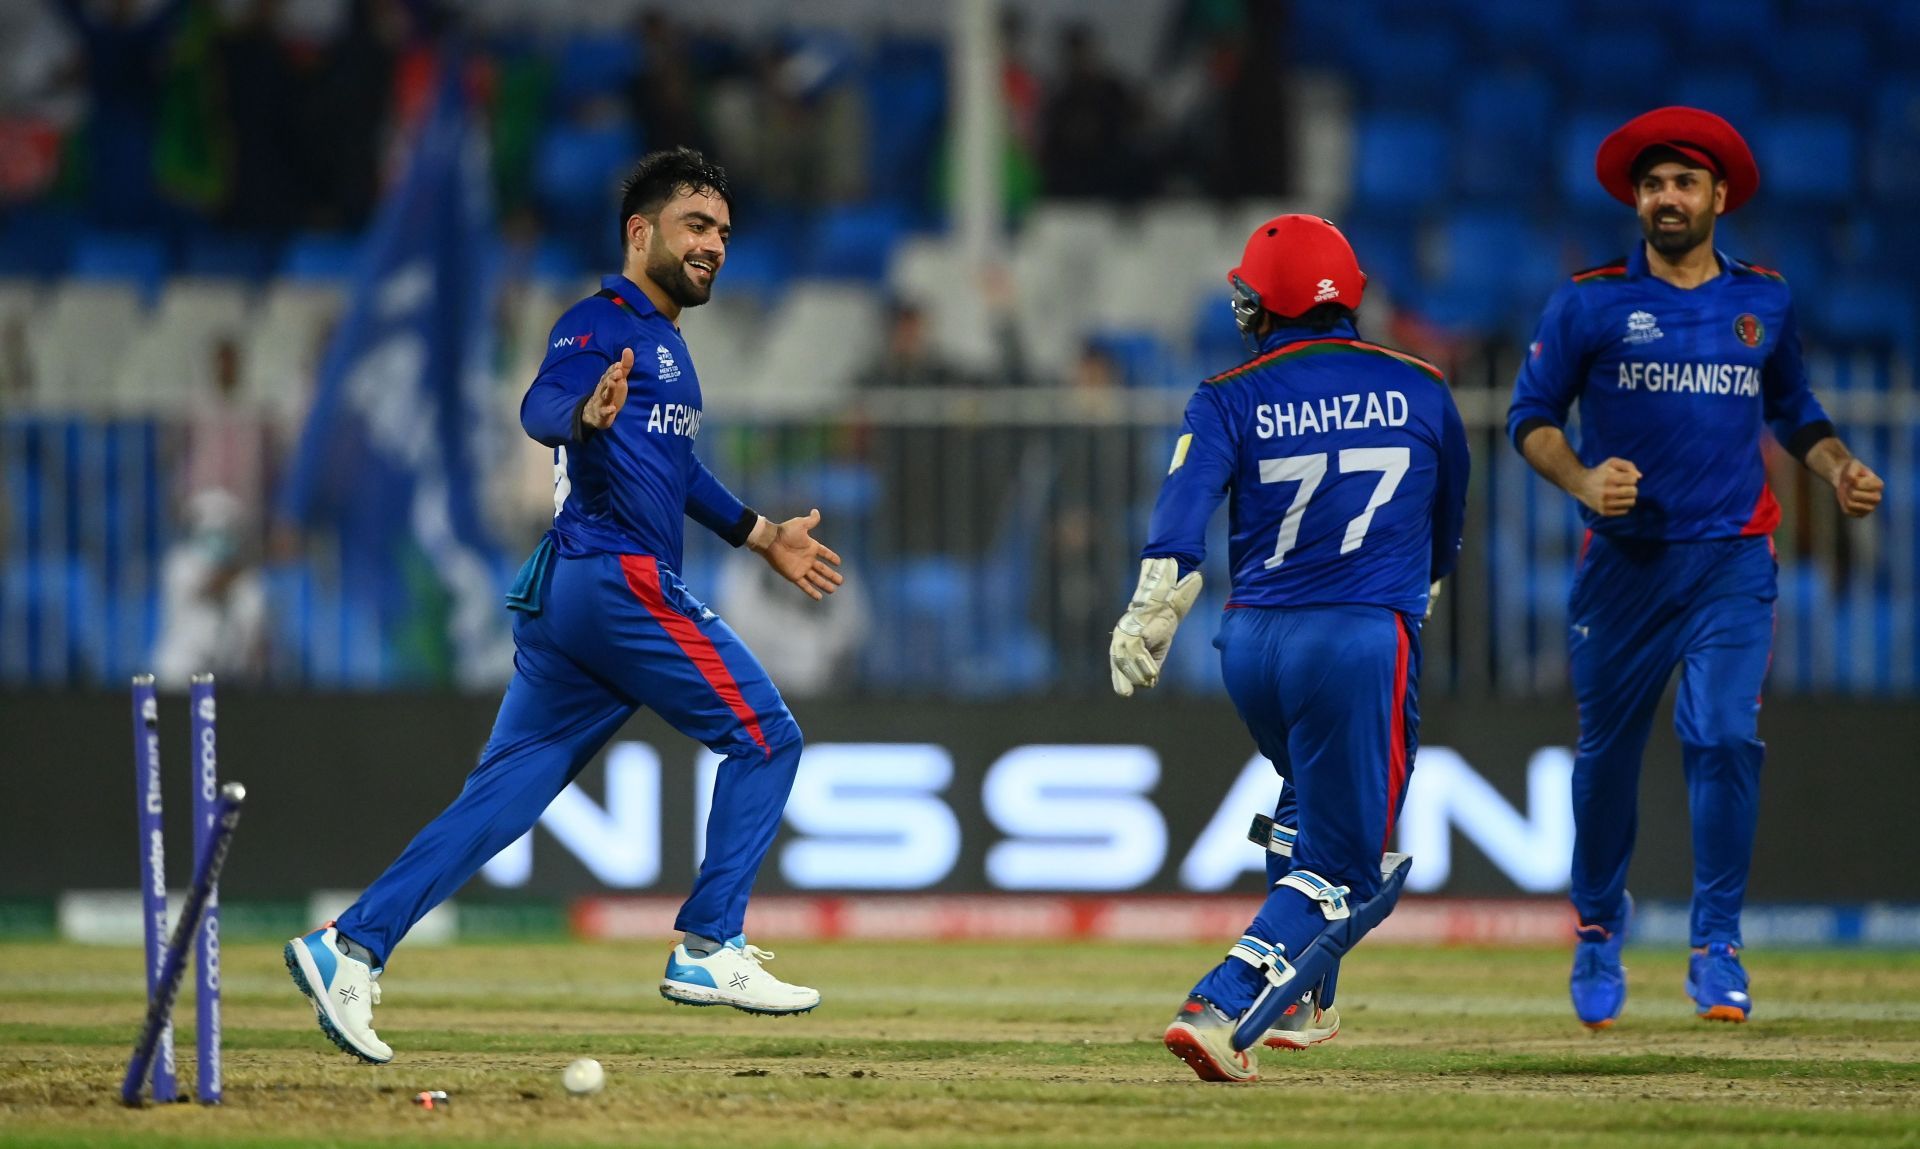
(1145, 632)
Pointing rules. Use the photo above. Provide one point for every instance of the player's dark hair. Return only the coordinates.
(662, 175)
(1659, 154)
(1320, 317)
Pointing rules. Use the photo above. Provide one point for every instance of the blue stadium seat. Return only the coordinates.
(1850, 11)
(1735, 96)
(1724, 29)
(854, 242)
(229, 255)
(1820, 66)
(1879, 312)
(317, 256)
(1618, 67)
(555, 260)
(907, 78)
(1497, 253)
(758, 264)
(594, 64)
(1324, 35)
(1386, 246)
(1893, 169)
(578, 170)
(1401, 161)
(1140, 358)
(129, 257)
(1416, 69)
(1217, 345)
(1598, 235)
(1578, 143)
(1809, 160)
(1534, 29)
(1502, 126)
(1900, 34)
(1893, 148)
(1896, 104)
(36, 241)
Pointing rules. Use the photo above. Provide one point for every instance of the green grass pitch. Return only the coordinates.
(928, 1044)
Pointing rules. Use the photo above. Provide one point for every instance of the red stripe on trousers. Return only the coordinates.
(1397, 751)
(643, 578)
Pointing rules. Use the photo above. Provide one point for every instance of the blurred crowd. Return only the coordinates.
(271, 118)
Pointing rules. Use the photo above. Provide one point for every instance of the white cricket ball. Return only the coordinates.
(584, 1077)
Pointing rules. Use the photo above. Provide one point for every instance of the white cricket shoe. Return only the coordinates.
(1202, 1036)
(1306, 1024)
(343, 992)
(733, 975)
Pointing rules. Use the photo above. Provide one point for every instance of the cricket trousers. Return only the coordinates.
(1331, 696)
(1638, 610)
(618, 632)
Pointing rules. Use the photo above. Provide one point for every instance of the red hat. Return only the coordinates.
(1296, 262)
(1702, 137)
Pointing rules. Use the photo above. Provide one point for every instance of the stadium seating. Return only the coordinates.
(1402, 162)
(1809, 160)
(169, 364)
(135, 259)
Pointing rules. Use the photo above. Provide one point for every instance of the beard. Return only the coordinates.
(1675, 243)
(670, 272)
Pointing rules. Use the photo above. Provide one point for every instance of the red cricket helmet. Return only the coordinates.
(1292, 264)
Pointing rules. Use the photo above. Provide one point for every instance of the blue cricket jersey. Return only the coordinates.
(625, 490)
(1677, 382)
(1347, 467)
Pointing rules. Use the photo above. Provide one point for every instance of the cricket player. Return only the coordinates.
(1347, 465)
(1679, 357)
(604, 625)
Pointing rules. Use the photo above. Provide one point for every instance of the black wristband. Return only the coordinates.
(736, 535)
(580, 428)
(1528, 427)
(1802, 441)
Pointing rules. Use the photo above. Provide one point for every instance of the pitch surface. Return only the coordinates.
(959, 1044)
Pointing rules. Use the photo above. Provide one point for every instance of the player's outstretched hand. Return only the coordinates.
(1611, 488)
(801, 559)
(610, 394)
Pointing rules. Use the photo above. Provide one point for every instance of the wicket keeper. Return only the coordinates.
(1680, 358)
(1347, 466)
(604, 625)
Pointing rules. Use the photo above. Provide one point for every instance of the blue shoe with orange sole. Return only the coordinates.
(1598, 984)
(1717, 983)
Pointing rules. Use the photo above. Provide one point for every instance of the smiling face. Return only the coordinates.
(1677, 205)
(681, 248)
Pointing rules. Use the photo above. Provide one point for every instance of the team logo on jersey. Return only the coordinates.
(1325, 290)
(1749, 330)
(668, 368)
(1641, 328)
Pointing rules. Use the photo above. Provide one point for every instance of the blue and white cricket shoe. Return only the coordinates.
(343, 992)
(1717, 983)
(1599, 982)
(1303, 1026)
(733, 975)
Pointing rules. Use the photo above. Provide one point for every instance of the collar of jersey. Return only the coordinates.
(1637, 267)
(630, 291)
(1297, 333)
